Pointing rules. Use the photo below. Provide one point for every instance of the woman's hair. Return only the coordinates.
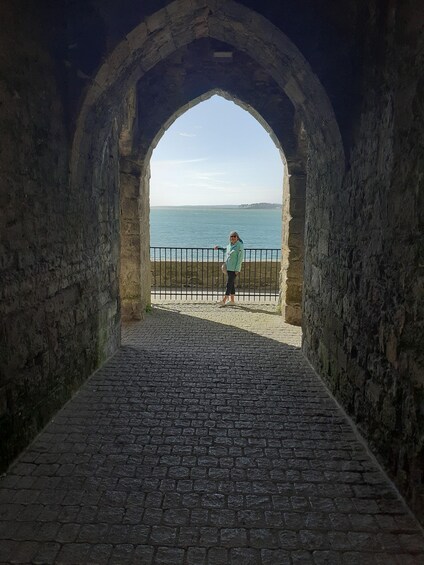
(236, 233)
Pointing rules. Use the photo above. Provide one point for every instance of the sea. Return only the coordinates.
(206, 226)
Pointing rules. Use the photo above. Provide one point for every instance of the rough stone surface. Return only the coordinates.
(130, 257)
(59, 309)
(206, 439)
(363, 324)
(190, 76)
(352, 71)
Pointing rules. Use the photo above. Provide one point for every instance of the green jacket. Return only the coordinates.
(234, 255)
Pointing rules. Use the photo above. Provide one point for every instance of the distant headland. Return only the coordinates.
(260, 205)
(255, 205)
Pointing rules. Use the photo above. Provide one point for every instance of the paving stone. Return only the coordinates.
(176, 517)
(222, 518)
(233, 537)
(152, 516)
(314, 540)
(47, 553)
(7, 549)
(100, 553)
(188, 536)
(169, 556)
(95, 533)
(208, 454)
(209, 537)
(163, 535)
(122, 553)
(25, 552)
(327, 558)
(199, 517)
(143, 555)
(412, 542)
(263, 538)
(300, 557)
(244, 556)
(339, 541)
(196, 556)
(74, 553)
(217, 555)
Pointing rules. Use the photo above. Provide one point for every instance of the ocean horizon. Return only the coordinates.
(206, 226)
(241, 206)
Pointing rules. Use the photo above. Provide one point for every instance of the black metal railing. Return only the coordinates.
(195, 272)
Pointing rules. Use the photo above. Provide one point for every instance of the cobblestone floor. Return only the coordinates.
(207, 440)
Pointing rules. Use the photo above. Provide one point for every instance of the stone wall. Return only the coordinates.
(191, 75)
(34, 297)
(59, 315)
(364, 328)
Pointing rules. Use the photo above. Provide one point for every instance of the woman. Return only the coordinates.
(233, 259)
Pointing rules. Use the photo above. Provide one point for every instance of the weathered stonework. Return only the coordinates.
(134, 287)
(351, 74)
(130, 273)
(59, 311)
(293, 248)
(363, 311)
(192, 75)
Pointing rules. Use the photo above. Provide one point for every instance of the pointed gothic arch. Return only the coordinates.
(183, 23)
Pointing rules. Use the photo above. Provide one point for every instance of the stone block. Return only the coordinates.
(297, 207)
(297, 226)
(292, 314)
(373, 392)
(137, 37)
(129, 209)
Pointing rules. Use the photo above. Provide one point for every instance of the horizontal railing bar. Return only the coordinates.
(250, 249)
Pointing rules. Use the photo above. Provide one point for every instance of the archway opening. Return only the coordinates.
(216, 168)
(277, 59)
(214, 155)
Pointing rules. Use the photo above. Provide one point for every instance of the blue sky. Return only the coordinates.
(215, 153)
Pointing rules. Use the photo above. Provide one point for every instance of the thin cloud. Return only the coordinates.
(173, 162)
(232, 162)
(210, 176)
(207, 186)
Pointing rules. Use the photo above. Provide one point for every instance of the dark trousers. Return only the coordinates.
(231, 277)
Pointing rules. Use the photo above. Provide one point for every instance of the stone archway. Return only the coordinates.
(182, 23)
(362, 315)
(135, 210)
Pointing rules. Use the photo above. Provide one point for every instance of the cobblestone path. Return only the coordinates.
(206, 440)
